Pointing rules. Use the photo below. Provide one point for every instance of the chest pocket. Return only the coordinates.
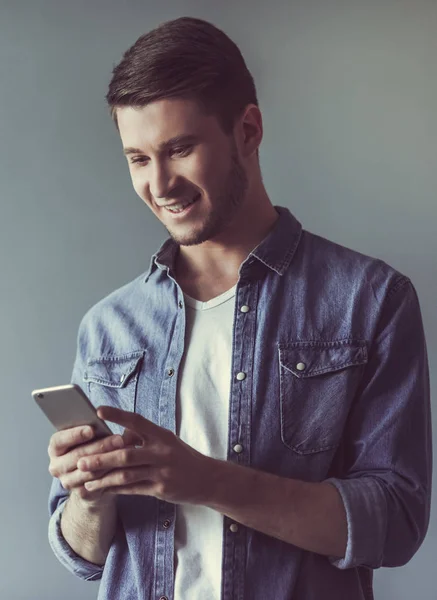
(112, 380)
(318, 381)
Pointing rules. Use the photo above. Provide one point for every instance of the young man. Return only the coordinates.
(268, 389)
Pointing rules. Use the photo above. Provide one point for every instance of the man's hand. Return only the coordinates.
(69, 445)
(309, 515)
(163, 466)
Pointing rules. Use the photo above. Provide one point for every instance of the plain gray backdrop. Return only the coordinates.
(348, 93)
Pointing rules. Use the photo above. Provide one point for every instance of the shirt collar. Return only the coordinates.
(275, 251)
(278, 247)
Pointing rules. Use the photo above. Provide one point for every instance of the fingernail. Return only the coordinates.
(87, 432)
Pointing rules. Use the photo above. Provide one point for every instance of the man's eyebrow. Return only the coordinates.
(178, 139)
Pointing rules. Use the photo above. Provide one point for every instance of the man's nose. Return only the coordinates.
(161, 181)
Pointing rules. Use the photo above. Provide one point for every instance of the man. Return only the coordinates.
(268, 389)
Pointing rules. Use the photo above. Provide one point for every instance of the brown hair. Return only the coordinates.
(184, 58)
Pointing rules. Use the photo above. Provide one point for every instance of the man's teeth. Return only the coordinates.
(180, 207)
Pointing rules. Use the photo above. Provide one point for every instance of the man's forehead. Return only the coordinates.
(160, 122)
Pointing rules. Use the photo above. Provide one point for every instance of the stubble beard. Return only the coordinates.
(226, 205)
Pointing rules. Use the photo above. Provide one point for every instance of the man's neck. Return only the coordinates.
(209, 269)
(221, 259)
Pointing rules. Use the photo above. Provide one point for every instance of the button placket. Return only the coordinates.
(244, 336)
(166, 418)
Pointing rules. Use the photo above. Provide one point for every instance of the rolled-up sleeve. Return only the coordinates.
(383, 471)
(62, 550)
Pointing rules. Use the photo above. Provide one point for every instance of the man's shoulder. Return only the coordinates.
(322, 252)
(121, 300)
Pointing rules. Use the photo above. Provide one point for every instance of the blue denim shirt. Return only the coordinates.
(355, 413)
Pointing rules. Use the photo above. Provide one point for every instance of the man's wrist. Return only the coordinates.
(106, 502)
(222, 483)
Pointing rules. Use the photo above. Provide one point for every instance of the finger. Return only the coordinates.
(129, 420)
(76, 479)
(122, 477)
(127, 457)
(64, 440)
(68, 462)
(142, 488)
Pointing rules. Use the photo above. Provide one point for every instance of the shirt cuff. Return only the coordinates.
(366, 512)
(65, 554)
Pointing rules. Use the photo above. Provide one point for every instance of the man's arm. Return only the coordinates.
(89, 528)
(79, 534)
(374, 510)
(384, 472)
(381, 471)
(308, 515)
(75, 562)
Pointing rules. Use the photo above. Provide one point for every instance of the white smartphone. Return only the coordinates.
(67, 406)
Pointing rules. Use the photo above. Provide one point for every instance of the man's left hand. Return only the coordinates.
(163, 466)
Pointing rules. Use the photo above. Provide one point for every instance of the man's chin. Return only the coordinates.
(190, 239)
(193, 237)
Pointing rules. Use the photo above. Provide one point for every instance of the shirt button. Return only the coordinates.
(166, 524)
(163, 598)
(170, 372)
(238, 448)
(245, 309)
(233, 528)
(301, 366)
(180, 304)
(241, 376)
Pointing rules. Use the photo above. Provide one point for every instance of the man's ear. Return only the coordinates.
(251, 130)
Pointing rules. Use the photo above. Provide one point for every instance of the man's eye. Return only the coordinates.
(182, 150)
(138, 159)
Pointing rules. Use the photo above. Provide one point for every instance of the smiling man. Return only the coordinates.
(204, 185)
(268, 389)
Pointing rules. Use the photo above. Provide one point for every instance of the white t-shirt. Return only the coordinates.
(202, 422)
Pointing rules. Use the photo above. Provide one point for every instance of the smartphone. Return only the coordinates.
(67, 406)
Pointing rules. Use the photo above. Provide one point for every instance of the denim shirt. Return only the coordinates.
(336, 390)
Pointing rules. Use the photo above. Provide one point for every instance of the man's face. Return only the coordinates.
(205, 166)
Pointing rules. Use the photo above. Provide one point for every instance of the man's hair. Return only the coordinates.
(185, 58)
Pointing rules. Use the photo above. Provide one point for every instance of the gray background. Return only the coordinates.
(348, 92)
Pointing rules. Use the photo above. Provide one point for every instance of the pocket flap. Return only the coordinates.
(307, 359)
(113, 371)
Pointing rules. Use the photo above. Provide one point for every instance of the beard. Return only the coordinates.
(226, 204)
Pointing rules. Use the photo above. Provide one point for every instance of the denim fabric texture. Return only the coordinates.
(336, 389)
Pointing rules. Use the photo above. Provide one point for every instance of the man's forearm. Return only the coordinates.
(89, 530)
(308, 515)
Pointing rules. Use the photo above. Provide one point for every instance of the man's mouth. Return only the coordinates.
(182, 206)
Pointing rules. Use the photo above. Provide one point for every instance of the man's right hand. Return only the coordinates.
(69, 445)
